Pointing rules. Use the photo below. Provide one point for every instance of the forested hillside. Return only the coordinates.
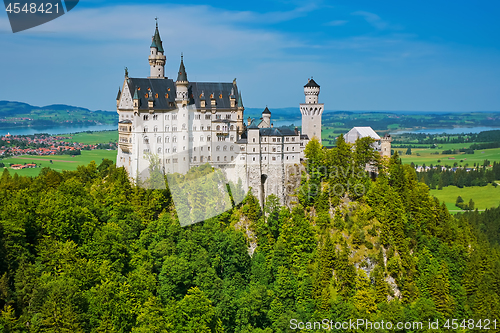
(87, 251)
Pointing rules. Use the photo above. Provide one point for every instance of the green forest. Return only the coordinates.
(89, 251)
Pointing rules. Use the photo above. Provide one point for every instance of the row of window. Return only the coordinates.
(196, 116)
(174, 139)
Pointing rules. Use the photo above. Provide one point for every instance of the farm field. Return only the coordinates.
(428, 158)
(59, 162)
(93, 137)
(483, 196)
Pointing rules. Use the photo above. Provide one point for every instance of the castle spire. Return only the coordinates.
(157, 58)
(182, 76)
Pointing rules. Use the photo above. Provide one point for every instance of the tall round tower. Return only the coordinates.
(311, 111)
(157, 59)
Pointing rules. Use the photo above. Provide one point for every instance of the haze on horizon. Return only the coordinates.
(423, 56)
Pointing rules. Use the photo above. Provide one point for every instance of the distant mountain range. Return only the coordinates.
(17, 114)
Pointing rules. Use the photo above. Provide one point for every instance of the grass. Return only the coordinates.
(59, 162)
(483, 196)
(93, 137)
(426, 157)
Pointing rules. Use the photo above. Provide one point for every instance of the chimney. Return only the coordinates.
(272, 125)
(249, 120)
(296, 131)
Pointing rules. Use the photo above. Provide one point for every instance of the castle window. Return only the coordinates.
(201, 138)
(174, 139)
(274, 150)
(242, 148)
(208, 128)
(218, 128)
(279, 139)
(274, 158)
(183, 126)
(159, 150)
(174, 129)
(217, 148)
(198, 116)
(287, 139)
(217, 116)
(207, 117)
(218, 158)
(232, 158)
(287, 157)
(228, 116)
(167, 150)
(202, 127)
(166, 95)
(183, 137)
(167, 139)
(194, 159)
(155, 117)
(293, 148)
(274, 139)
(231, 148)
(194, 149)
(232, 127)
(253, 139)
(286, 148)
(167, 117)
(225, 158)
(175, 160)
(224, 148)
(254, 150)
(145, 117)
(254, 158)
(167, 128)
(174, 150)
(220, 96)
(293, 139)
(201, 159)
(168, 160)
(209, 138)
(183, 148)
(146, 140)
(158, 139)
(174, 117)
(168, 89)
(156, 128)
(209, 158)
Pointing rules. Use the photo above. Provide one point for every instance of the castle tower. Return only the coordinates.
(157, 59)
(311, 111)
(385, 145)
(266, 118)
(182, 100)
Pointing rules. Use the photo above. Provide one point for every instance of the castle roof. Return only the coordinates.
(311, 84)
(119, 94)
(361, 132)
(182, 76)
(266, 111)
(166, 90)
(156, 42)
(277, 131)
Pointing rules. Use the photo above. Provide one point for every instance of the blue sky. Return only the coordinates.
(366, 55)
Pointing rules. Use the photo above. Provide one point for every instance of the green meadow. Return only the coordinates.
(483, 196)
(91, 138)
(59, 162)
(428, 158)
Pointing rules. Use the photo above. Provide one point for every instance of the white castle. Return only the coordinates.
(185, 124)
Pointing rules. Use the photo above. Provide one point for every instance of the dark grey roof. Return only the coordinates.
(304, 137)
(126, 121)
(266, 111)
(253, 125)
(161, 86)
(240, 101)
(119, 94)
(277, 131)
(182, 75)
(312, 84)
(242, 141)
(214, 89)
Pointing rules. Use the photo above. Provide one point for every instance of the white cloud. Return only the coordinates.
(373, 19)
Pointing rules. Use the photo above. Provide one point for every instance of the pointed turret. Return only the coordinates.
(136, 94)
(119, 94)
(182, 75)
(240, 101)
(157, 58)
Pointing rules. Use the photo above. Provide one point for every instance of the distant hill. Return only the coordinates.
(18, 114)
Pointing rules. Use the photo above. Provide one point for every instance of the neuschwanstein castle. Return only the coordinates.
(185, 124)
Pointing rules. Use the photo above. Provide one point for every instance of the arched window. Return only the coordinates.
(231, 148)
(218, 158)
(218, 128)
(167, 128)
(225, 158)
(232, 127)
(146, 140)
(224, 148)
(201, 159)
(158, 139)
(174, 139)
(167, 139)
(159, 150)
(194, 159)
(201, 138)
(145, 129)
(183, 126)
(218, 148)
(232, 158)
(253, 139)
